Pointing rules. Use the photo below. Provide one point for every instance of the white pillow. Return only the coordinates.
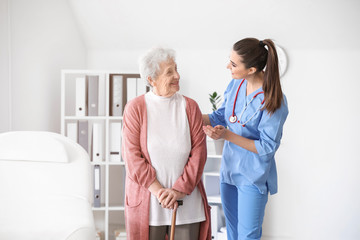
(32, 146)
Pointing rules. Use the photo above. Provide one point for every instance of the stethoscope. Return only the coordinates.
(233, 117)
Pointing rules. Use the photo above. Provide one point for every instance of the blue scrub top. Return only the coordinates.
(240, 166)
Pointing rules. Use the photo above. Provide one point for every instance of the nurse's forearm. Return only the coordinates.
(206, 120)
(243, 142)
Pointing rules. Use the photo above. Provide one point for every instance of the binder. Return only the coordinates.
(131, 88)
(141, 87)
(116, 95)
(83, 134)
(81, 96)
(93, 95)
(97, 143)
(115, 142)
(72, 131)
(214, 213)
(97, 184)
(102, 95)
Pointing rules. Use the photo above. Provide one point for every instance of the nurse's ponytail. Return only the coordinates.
(255, 54)
(271, 86)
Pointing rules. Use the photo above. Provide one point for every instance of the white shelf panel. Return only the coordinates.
(98, 163)
(115, 118)
(87, 71)
(99, 208)
(212, 174)
(116, 208)
(86, 118)
(214, 156)
(214, 199)
(108, 163)
(116, 163)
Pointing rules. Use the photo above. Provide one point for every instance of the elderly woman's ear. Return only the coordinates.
(150, 81)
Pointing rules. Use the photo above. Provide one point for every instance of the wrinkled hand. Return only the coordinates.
(167, 197)
(216, 132)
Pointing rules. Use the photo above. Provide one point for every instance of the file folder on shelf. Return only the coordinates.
(141, 87)
(81, 97)
(102, 95)
(97, 143)
(97, 186)
(214, 212)
(115, 141)
(72, 131)
(116, 95)
(83, 134)
(93, 95)
(131, 88)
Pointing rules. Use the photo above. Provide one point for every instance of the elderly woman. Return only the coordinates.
(164, 149)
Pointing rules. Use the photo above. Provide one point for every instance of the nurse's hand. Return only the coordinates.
(216, 132)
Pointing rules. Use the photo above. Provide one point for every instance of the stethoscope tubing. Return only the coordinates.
(233, 117)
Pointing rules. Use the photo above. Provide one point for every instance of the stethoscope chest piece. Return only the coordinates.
(232, 119)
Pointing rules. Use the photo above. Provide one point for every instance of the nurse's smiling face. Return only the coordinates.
(237, 67)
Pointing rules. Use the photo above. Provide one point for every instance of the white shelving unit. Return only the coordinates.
(211, 179)
(110, 215)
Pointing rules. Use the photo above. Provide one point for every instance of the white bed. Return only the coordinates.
(46, 188)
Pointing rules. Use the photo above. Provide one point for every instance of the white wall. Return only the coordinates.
(318, 161)
(4, 67)
(44, 40)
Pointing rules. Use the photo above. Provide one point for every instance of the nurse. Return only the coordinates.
(251, 121)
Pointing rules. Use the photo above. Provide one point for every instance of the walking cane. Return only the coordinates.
(173, 221)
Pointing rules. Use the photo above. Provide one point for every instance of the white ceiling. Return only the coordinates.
(215, 24)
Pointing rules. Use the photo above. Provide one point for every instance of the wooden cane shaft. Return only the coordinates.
(173, 221)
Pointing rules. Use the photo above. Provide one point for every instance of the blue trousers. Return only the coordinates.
(244, 209)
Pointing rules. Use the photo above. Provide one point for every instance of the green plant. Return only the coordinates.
(214, 100)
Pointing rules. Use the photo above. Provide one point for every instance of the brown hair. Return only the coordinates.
(254, 54)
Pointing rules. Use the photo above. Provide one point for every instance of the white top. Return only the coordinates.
(169, 146)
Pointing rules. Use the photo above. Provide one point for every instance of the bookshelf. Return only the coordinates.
(211, 180)
(103, 142)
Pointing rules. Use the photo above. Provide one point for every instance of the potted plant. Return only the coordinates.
(215, 100)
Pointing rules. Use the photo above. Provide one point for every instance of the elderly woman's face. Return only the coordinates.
(167, 81)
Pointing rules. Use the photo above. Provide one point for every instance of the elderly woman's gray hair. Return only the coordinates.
(149, 63)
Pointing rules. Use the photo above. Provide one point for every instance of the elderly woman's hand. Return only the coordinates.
(216, 132)
(167, 197)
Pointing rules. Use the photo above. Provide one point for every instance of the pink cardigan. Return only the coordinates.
(140, 173)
